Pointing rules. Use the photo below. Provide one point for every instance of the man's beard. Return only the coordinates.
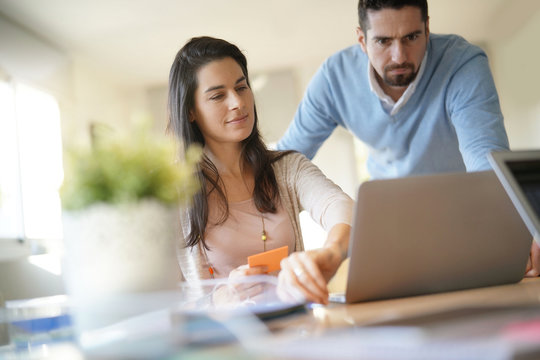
(401, 79)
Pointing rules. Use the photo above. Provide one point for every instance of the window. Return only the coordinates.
(30, 164)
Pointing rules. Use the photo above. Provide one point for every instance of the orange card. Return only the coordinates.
(270, 258)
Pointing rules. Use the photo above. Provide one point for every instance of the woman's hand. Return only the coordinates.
(235, 292)
(246, 270)
(304, 275)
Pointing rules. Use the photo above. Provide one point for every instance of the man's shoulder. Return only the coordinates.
(451, 44)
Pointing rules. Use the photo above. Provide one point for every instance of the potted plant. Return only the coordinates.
(121, 201)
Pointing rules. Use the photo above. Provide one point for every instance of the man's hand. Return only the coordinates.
(533, 265)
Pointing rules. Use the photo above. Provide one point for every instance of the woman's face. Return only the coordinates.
(224, 106)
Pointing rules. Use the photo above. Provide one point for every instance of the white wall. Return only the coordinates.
(97, 97)
(276, 97)
(29, 58)
(515, 63)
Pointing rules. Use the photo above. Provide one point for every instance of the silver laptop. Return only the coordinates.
(436, 233)
(519, 173)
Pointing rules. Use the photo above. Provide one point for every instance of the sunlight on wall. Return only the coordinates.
(31, 163)
(10, 202)
(47, 262)
(41, 162)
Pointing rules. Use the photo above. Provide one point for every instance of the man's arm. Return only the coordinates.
(313, 122)
(474, 109)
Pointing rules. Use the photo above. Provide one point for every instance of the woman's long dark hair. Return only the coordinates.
(196, 53)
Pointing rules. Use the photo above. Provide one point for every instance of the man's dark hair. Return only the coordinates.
(375, 5)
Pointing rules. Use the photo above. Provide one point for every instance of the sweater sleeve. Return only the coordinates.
(313, 122)
(327, 204)
(191, 259)
(474, 109)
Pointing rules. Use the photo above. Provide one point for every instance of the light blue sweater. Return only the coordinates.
(451, 122)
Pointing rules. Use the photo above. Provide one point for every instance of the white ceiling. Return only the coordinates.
(137, 39)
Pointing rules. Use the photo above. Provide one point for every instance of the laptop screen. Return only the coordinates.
(519, 172)
(527, 174)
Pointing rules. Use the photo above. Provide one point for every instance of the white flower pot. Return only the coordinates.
(118, 252)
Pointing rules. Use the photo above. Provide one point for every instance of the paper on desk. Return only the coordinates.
(271, 258)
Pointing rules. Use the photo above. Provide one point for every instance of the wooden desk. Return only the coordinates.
(290, 333)
(344, 325)
(525, 292)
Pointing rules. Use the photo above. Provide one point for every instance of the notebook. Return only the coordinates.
(519, 173)
(433, 233)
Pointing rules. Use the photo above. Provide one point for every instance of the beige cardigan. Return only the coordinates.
(302, 186)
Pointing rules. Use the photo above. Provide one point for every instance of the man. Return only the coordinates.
(423, 103)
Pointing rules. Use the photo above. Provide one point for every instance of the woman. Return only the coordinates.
(251, 197)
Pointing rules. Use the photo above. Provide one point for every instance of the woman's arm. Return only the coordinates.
(305, 274)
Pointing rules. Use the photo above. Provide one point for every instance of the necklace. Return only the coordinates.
(264, 237)
(263, 234)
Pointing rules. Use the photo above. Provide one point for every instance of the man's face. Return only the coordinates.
(395, 43)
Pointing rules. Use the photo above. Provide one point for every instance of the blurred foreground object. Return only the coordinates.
(121, 203)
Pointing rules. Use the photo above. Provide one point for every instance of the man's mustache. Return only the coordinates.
(399, 67)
